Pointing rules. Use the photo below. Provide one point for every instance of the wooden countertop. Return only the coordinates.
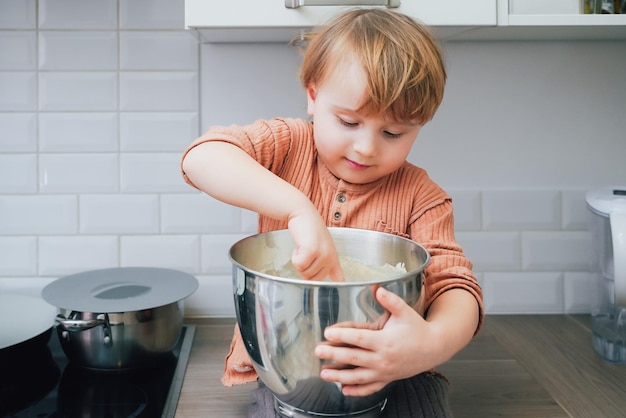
(540, 366)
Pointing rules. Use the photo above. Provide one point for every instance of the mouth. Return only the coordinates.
(356, 166)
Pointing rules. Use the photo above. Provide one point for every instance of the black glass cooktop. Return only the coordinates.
(46, 385)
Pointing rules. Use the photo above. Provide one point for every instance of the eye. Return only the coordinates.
(348, 124)
(391, 135)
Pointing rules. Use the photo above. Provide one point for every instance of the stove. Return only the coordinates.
(46, 385)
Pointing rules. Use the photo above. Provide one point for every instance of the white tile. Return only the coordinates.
(73, 50)
(467, 210)
(198, 213)
(577, 288)
(60, 256)
(78, 132)
(78, 173)
(119, 214)
(575, 210)
(152, 14)
(95, 91)
(249, 221)
(492, 251)
(556, 250)
(18, 50)
(158, 51)
(179, 252)
(527, 293)
(521, 209)
(151, 172)
(18, 256)
(154, 131)
(18, 14)
(214, 253)
(214, 298)
(41, 215)
(18, 173)
(159, 91)
(31, 286)
(78, 14)
(19, 91)
(18, 132)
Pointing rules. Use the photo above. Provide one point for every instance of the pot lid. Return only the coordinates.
(120, 289)
(607, 199)
(23, 317)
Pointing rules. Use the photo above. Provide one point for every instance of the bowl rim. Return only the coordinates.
(409, 274)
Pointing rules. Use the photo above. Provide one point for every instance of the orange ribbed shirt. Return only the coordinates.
(405, 203)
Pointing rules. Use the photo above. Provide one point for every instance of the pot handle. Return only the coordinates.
(618, 234)
(79, 325)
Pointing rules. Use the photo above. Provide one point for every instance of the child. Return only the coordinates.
(373, 78)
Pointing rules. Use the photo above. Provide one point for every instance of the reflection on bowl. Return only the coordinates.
(283, 319)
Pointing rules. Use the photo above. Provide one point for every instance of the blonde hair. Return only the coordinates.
(402, 62)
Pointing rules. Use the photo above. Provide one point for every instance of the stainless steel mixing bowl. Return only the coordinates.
(283, 319)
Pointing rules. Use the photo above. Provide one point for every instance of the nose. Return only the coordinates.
(365, 144)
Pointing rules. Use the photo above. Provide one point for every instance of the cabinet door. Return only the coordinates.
(242, 20)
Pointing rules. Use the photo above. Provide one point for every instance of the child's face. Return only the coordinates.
(355, 147)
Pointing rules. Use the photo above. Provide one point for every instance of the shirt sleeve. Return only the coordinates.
(449, 268)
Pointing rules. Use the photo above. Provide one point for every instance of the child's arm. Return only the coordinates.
(227, 173)
(407, 345)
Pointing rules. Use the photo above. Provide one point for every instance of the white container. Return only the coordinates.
(608, 306)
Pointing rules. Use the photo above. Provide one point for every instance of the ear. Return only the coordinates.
(310, 100)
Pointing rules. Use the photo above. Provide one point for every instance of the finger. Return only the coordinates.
(341, 351)
(392, 302)
(355, 382)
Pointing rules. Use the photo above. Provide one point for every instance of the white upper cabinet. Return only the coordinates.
(271, 20)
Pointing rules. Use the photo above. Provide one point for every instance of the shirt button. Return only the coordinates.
(337, 216)
(341, 198)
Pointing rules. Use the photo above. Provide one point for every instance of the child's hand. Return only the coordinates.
(315, 256)
(377, 357)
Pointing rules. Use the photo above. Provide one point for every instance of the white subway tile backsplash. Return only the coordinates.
(19, 91)
(74, 51)
(158, 50)
(575, 210)
(157, 172)
(18, 132)
(18, 256)
(18, 173)
(151, 14)
(78, 173)
(556, 250)
(79, 91)
(78, 14)
(198, 213)
(38, 215)
(18, 14)
(492, 251)
(249, 221)
(156, 131)
(63, 255)
(467, 210)
(213, 298)
(523, 292)
(180, 252)
(24, 285)
(119, 214)
(78, 132)
(214, 253)
(577, 287)
(159, 91)
(521, 209)
(23, 50)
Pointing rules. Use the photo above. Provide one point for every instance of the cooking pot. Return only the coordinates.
(282, 319)
(120, 318)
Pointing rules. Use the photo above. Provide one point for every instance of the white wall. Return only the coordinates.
(99, 97)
